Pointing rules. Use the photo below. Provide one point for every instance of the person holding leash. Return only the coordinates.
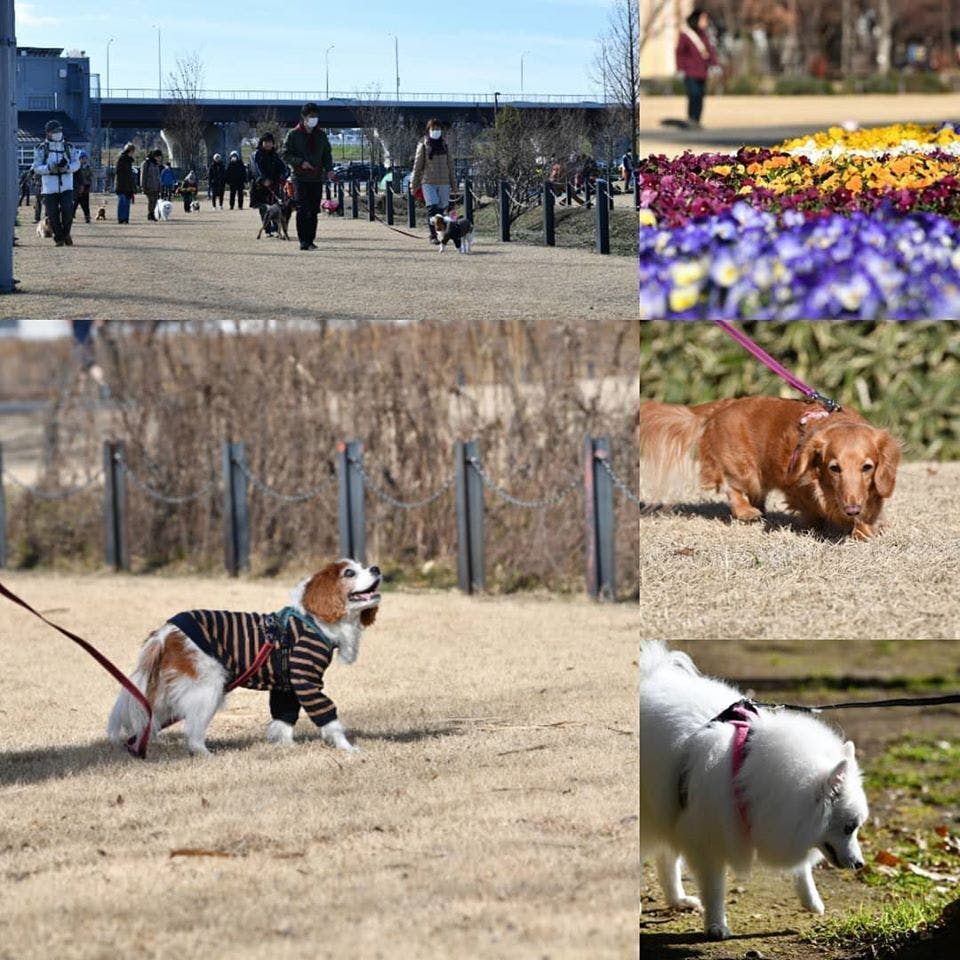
(268, 172)
(306, 150)
(433, 172)
(55, 162)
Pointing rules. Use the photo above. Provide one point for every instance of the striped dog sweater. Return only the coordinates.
(293, 673)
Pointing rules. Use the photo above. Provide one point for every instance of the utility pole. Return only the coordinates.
(326, 59)
(8, 140)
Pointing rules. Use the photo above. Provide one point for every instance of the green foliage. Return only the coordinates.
(904, 376)
(800, 86)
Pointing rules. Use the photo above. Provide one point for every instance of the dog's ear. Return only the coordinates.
(322, 596)
(832, 786)
(368, 616)
(888, 459)
(808, 457)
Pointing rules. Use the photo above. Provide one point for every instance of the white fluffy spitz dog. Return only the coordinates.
(715, 790)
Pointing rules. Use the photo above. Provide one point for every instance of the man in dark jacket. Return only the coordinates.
(306, 150)
(82, 182)
(125, 183)
(150, 181)
(216, 181)
(236, 177)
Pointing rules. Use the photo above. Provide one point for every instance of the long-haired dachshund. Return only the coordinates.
(833, 468)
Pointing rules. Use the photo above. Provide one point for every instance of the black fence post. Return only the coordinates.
(371, 201)
(340, 211)
(388, 200)
(603, 217)
(352, 512)
(3, 516)
(504, 212)
(236, 516)
(549, 219)
(471, 576)
(636, 188)
(598, 504)
(570, 191)
(115, 507)
(468, 199)
(355, 199)
(411, 207)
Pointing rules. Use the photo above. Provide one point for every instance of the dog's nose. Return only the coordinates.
(851, 509)
(856, 863)
(375, 571)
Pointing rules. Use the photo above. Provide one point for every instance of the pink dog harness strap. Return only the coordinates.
(739, 714)
(804, 420)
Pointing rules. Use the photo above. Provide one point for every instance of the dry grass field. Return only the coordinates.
(492, 812)
(209, 265)
(705, 577)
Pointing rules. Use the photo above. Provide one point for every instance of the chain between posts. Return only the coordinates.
(618, 481)
(516, 502)
(168, 498)
(53, 494)
(285, 497)
(393, 501)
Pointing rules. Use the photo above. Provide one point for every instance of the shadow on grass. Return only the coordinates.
(772, 521)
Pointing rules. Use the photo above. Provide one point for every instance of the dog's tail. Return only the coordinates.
(128, 718)
(669, 434)
(655, 654)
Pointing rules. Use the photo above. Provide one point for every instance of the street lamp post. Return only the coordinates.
(522, 55)
(326, 58)
(108, 65)
(159, 66)
(396, 60)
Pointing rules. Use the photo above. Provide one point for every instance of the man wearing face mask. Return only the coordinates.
(55, 162)
(433, 171)
(306, 150)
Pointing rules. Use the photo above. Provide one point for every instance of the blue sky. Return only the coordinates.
(443, 47)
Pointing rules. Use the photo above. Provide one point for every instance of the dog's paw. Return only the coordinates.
(279, 732)
(813, 903)
(717, 931)
(688, 903)
(334, 734)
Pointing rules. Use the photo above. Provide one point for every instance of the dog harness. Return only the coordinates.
(804, 420)
(739, 714)
(301, 652)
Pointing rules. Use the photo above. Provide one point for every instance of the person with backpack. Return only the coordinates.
(55, 162)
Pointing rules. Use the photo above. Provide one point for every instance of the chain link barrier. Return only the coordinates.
(619, 482)
(393, 501)
(143, 487)
(284, 497)
(53, 494)
(515, 501)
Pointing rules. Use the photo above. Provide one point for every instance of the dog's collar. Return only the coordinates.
(286, 614)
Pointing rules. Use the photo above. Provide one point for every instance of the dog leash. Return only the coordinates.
(136, 745)
(781, 371)
(862, 704)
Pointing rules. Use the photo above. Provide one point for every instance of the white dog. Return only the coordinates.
(722, 781)
(187, 665)
(164, 209)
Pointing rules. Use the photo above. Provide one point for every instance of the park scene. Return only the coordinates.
(319, 482)
(800, 167)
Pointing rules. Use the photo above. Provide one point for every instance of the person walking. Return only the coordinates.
(25, 179)
(433, 173)
(306, 150)
(150, 181)
(695, 56)
(236, 177)
(82, 184)
(268, 173)
(168, 180)
(124, 183)
(188, 191)
(55, 161)
(216, 181)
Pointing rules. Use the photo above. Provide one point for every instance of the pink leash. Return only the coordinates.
(778, 368)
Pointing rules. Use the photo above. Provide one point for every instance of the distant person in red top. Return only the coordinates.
(695, 57)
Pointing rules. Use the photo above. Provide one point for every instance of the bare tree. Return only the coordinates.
(184, 118)
(387, 129)
(617, 64)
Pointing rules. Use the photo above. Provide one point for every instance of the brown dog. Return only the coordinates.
(833, 468)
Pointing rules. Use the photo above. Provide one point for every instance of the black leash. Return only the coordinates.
(862, 704)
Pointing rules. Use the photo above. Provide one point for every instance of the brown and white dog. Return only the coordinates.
(460, 231)
(186, 665)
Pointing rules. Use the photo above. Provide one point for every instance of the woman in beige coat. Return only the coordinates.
(433, 171)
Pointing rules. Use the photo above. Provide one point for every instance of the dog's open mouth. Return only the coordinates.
(365, 596)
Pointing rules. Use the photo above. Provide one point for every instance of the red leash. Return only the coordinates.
(778, 368)
(136, 745)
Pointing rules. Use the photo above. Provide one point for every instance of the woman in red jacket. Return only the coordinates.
(695, 57)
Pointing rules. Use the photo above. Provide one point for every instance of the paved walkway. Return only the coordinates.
(208, 265)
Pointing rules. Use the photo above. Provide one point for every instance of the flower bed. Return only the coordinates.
(843, 224)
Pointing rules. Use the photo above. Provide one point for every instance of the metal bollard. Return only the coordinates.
(603, 217)
(549, 220)
(116, 554)
(504, 212)
(351, 504)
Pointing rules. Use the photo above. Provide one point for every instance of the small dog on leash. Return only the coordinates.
(43, 228)
(101, 212)
(276, 216)
(460, 231)
(164, 209)
(195, 206)
(186, 665)
(329, 207)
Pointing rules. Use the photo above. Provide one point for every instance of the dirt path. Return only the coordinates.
(208, 265)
